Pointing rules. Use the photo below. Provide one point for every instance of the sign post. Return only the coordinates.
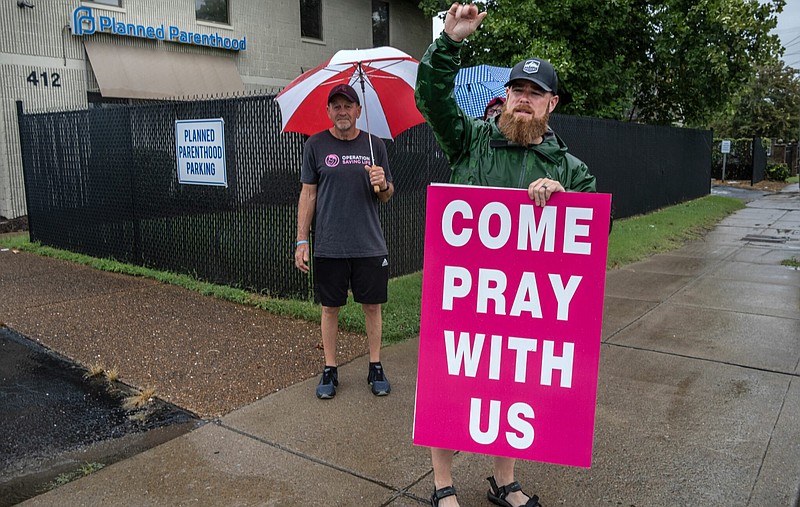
(726, 148)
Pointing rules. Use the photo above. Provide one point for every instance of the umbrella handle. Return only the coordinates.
(375, 188)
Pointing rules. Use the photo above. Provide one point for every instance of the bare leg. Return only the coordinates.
(330, 330)
(374, 323)
(442, 460)
(504, 475)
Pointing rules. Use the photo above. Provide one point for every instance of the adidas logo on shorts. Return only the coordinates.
(385, 263)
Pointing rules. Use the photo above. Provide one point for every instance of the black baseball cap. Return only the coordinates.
(537, 71)
(345, 90)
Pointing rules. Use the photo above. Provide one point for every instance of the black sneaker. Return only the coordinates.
(326, 389)
(377, 380)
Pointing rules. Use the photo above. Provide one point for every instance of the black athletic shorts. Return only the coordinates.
(368, 277)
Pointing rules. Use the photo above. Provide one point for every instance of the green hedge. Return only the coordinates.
(777, 171)
(739, 163)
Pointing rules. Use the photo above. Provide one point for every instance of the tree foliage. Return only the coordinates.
(655, 61)
(768, 107)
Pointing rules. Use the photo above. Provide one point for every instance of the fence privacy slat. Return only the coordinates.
(103, 182)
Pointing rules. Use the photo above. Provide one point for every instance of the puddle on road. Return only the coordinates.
(54, 421)
(744, 194)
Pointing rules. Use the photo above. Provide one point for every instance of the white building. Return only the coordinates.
(71, 54)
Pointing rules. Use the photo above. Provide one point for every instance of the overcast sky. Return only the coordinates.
(788, 30)
(438, 25)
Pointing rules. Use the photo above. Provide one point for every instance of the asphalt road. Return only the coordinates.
(54, 420)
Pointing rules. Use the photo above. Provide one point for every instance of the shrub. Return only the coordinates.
(777, 172)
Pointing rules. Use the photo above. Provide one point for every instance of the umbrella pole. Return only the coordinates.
(375, 188)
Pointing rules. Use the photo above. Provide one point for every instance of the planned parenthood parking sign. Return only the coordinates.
(200, 149)
(511, 321)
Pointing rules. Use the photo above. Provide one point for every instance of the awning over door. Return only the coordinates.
(143, 73)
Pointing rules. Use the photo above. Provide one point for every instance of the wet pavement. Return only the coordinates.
(698, 400)
(744, 194)
(56, 419)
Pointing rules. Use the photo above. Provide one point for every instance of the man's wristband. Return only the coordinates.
(385, 189)
(302, 242)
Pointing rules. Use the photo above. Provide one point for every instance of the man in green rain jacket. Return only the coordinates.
(498, 152)
(516, 149)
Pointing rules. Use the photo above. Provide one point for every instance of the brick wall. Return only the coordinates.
(39, 41)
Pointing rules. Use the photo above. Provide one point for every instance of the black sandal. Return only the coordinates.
(497, 495)
(442, 493)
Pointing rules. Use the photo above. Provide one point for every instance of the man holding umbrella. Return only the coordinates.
(515, 149)
(342, 187)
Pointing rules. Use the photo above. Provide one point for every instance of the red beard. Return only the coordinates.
(522, 131)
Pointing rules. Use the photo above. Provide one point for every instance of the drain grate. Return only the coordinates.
(764, 239)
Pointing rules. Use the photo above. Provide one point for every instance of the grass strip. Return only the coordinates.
(636, 238)
(632, 239)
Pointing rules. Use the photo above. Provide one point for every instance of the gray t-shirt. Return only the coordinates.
(347, 222)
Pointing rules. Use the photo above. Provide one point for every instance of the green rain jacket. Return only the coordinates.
(478, 152)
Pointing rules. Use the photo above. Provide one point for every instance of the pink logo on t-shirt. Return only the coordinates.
(332, 160)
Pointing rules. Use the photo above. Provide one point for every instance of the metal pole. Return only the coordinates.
(361, 78)
(797, 147)
(724, 160)
(27, 171)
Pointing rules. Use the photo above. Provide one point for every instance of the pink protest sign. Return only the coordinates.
(512, 305)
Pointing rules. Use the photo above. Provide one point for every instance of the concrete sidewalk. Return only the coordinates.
(698, 404)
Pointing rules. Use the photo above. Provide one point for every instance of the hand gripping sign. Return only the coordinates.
(511, 321)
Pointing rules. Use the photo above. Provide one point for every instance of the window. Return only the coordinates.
(115, 3)
(380, 23)
(211, 10)
(97, 101)
(311, 19)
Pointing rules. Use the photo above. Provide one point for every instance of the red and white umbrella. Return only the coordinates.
(384, 79)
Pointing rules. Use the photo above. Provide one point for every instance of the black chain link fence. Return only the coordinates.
(103, 182)
(644, 167)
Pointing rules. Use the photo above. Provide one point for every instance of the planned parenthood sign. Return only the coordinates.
(511, 322)
(200, 149)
